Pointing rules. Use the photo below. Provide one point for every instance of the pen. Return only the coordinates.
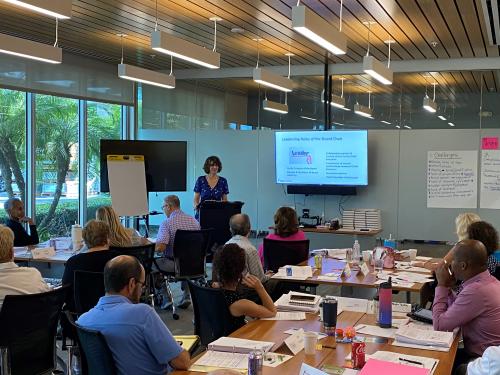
(448, 268)
(410, 361)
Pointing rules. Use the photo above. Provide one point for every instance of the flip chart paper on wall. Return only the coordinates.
(452, 179)
(127, 184)
(490, 179)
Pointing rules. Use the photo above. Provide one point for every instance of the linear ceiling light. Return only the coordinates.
(430, 105)
(149, 77)
(315, 28)
(364, 110)
(54, 8)
(338, 101)
(271, 106)
(385, 122)
(31, 50)
(269, 79)
(375, 68)
(441, 117)
(451, 124)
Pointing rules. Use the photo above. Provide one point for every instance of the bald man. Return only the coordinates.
(476, 310)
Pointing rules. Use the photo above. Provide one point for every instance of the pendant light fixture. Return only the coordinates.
(277, 107)
(184, 50)
(430, 105)
(339, 101)
(364, 110)
(269, 79)
(316, 29)
(54, 8)
(375, 68)
(28, 49)
(148, 77)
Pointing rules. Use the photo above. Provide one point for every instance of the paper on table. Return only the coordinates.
(396, 282)
(428, 363)
(305, 369)
(287, 315)
(275, 359)
(223, 360)
(291, 331)
(367, 329)
(414, 334)
(298, 273)
(20, 250)
(395, 342)
(400, 322)
(233, 344)
(295, 342)
(332, 253)
(423, 258)
(352, 304)
(376, 367)
(43, 252)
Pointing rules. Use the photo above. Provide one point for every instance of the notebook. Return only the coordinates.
(376, 367)
(413, 334)
(284, 303)
(235, 345)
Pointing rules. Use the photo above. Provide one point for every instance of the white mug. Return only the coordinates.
(310, 341)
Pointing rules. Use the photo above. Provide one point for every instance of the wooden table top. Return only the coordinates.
(352, 232)
(269, 330)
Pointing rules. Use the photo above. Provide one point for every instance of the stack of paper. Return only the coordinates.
(367, 218)
(235, 345)
(348, 219)
(367, 329)
(415, 334)
(292, 302)
(298, 273)
(288, 315)
(405, 359)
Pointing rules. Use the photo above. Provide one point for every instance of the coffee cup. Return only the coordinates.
(367, 255)
(310, 341)
(413, 254)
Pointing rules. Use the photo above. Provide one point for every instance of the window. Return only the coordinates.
(56, 141)
(104, 122)
(12, 146)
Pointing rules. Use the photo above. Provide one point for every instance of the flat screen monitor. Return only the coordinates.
(322, 157)
(165, 162)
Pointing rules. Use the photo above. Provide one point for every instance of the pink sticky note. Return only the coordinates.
(489, 143)
(376, 367)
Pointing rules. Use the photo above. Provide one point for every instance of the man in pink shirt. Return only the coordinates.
(476, 309)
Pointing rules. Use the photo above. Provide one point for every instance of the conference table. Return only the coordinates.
(273, 330)
(357, 279)
(343, 231)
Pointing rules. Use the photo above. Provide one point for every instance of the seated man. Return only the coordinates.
(240, 226)
(139, 341)
(15, 209)
(15, 280)
(476, 310)
(176, 219)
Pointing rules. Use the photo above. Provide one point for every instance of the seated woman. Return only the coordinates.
(230, 261)
(286, 228)
(119, 235)
(96, 237)
(487, 234)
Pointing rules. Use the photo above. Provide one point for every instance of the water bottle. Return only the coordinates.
(348, 255)
(76, 236)
(385, 304)
(356, 252)
(255, 362)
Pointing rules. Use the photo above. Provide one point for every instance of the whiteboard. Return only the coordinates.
(127, 184)
(452, 179)
(490, 179)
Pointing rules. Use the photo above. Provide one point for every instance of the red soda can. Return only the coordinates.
(358, 354)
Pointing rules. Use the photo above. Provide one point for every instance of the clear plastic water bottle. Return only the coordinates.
(348, 255)
(356, 252)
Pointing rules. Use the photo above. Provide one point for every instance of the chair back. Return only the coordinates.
(144, 253)
(281, 253)
(28, 325)
(190, 251)
(497, 273)
(98, 356)
(88, 288)
(212, 318)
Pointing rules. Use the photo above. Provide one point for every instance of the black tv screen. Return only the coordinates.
(165, 162)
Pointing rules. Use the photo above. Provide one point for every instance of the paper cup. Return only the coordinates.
(310, 341)
(367, 255)
(413, 254)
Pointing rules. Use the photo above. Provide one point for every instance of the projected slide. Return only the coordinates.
(322, 158)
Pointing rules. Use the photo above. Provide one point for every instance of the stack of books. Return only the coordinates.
(363, 218)
(295, 301)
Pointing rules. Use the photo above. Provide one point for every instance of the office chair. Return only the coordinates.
(281, 253)
(212, 318)
(28, 325)
(98, 357)
(88, 288)
(190, 251)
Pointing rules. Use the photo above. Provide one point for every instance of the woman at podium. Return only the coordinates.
(211, 186)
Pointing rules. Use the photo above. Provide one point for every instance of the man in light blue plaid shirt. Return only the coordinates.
(176, 219)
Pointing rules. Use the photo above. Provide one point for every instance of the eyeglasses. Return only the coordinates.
(143, 283)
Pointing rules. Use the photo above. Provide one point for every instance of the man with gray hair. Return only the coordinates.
(15, 209)
(15, 280)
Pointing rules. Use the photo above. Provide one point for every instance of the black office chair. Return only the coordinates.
(145, 254)
(497, 273)
(98, 357)
(281, 253)
(212, 318)
(190, 251)
(28, 325)
(88, 288)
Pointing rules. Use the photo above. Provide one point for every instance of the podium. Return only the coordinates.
(215, 215)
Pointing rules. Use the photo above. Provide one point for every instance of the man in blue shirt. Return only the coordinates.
(140, 342)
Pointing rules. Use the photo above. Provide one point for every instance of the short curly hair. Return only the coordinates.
(212, 160)
(286, 222)
(95, 233)
(230, 263)
(486, 233)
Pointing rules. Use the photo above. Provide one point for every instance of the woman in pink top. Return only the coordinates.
(286, 228)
